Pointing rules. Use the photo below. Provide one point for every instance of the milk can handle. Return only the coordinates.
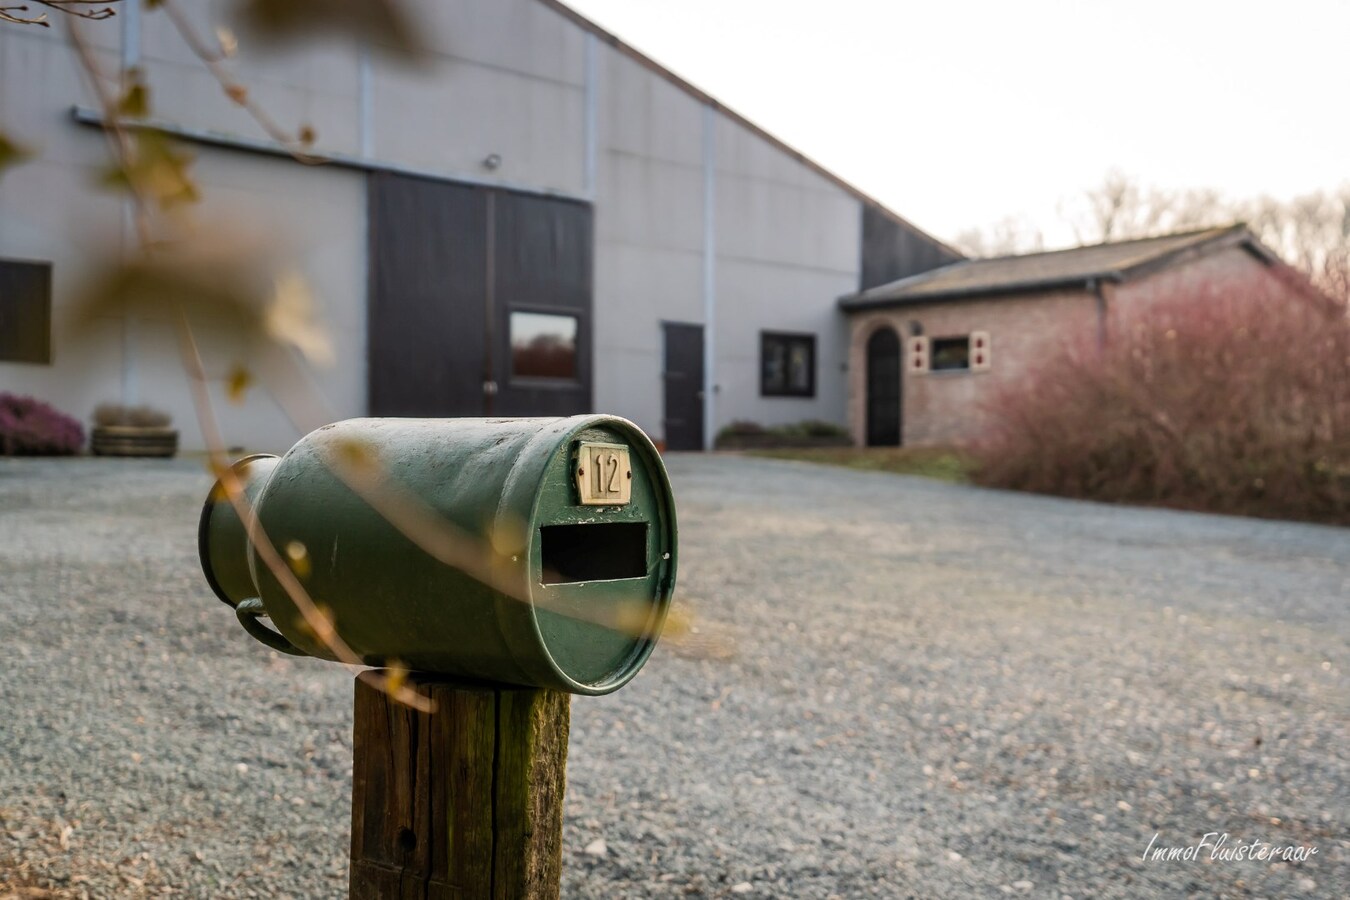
(249, 612)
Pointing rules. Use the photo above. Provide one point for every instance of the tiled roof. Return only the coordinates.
(1115, 261)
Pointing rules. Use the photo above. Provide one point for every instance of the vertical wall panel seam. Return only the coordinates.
(490, 385)
(365, 103)
(365, 112)
(372, 291)
(709, 274)
(368, 295)
(592, 101)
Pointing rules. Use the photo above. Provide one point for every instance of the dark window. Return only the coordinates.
(25, 312)
(949, 353)
(787, 365)
(543, 345)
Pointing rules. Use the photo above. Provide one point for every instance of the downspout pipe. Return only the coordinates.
(131, 58)
(1098, 288)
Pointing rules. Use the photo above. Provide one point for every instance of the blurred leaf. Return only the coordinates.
(114, 178)
(229, 44)
(225, 282)
(355, 454)
(217, 276)
(320, 625)
(218, 494)
(11, 153)
(679, 621)
(157, 168)
(509, 535)
(298, 557)
(290, 319)
(135, 103)
(164, 169)
(396, 676)
(238, 383)
(384, 23)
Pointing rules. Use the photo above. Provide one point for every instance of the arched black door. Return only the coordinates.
(883, 388)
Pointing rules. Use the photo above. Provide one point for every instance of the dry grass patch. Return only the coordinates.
(942, 463)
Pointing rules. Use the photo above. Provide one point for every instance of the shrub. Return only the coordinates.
(807, 428)
(819, 428)
(29, 427)
(115, 414)
(1237, 403)
(740, 427)
(741, 435)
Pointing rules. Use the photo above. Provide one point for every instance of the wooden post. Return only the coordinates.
(465, 802)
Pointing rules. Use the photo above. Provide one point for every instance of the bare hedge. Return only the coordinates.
(1232, 401)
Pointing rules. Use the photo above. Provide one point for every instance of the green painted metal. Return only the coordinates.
(221, 534)
(497, 484)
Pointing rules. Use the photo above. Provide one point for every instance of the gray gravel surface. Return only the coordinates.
(895, 688)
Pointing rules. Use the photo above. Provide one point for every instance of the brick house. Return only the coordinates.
(924, 351)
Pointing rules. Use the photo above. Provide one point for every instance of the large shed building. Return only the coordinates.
(540, 220)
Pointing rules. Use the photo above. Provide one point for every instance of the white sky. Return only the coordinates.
(956, 114)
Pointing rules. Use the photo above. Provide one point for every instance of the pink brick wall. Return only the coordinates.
(1202, 279)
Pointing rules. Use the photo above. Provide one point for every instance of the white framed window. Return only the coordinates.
(971, 352)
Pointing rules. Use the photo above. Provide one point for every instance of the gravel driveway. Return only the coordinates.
(897, 688)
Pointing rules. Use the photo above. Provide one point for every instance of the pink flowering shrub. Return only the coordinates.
(29, 427)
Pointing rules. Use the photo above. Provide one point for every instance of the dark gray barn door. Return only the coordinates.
(541, 290)
(883, 388)
(427, 312)
(683, 375)
(456, 273)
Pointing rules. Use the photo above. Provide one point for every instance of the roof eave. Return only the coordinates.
(857, 302)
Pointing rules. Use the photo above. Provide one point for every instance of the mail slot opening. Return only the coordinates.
(593, 552)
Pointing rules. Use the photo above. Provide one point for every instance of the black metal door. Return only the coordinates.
(466, 284)
(683, 374)
(883, 389)
(427, 311)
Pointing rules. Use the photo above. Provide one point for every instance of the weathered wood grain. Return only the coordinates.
(465, 802)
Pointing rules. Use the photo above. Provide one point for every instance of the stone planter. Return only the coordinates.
(133, 440)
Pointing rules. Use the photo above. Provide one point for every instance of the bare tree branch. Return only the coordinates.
(214, 55)
(119, 141)
(317, 620)
(78, 8)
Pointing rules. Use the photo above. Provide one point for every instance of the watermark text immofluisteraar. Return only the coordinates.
(1222, 848)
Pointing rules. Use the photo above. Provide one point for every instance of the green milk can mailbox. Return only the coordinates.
(535, 551)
